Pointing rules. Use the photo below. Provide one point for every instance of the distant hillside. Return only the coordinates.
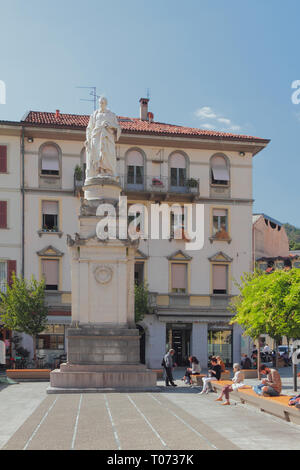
(293, 234)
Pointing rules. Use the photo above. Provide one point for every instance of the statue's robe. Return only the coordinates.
(101, 150)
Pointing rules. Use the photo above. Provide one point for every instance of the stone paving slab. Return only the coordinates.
(174, 419)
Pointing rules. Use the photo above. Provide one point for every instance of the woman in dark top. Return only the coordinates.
(214, 374)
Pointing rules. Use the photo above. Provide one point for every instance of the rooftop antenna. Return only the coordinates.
(148, 93)
(93, 93)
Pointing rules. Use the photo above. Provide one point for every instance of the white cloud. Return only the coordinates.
(207, 126)
(206, 113)
(224, 121)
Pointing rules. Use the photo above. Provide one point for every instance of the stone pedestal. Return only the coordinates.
(103, 342)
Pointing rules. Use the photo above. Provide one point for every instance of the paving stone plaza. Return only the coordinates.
(171, 419)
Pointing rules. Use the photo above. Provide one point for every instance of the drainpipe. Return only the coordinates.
(23, 199)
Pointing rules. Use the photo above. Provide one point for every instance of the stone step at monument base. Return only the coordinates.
(72, 378)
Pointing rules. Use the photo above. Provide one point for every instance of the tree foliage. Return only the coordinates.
(22, 306)
(293, 234)
(269, 304)
(141, 301)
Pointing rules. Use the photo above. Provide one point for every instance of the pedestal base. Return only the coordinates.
(73, 378)
(102, 359)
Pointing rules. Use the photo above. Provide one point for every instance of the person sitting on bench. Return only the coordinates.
(237, 382)
(271, 386)
(195, 369)
(213, 374)
(246, 362)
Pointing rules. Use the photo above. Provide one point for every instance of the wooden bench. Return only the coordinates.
(276, 406)
(28, 374)
(196, 379)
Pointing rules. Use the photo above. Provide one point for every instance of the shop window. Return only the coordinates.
(220, 344)
(53, 337)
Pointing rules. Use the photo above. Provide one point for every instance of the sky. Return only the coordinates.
(225, 65)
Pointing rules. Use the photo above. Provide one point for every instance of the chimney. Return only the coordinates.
(144, 109)
(57, 113)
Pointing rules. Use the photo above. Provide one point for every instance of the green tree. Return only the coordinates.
(23, 309)
(269, 304)
(141, 301)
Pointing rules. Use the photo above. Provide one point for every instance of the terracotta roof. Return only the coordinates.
(131, 125)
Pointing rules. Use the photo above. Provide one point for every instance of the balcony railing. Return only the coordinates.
(151, 184)
(164, 184)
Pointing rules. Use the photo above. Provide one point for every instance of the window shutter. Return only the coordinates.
(178, 161)
(3, 159)
(50, 158)
(135, 158)
(50, 271)
(178, 276)
(3, 214)
(50, 207)
(220, 277)
(11, 268)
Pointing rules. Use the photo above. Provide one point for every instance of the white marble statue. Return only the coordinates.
(102, 133)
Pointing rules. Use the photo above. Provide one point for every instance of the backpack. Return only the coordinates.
(163, 363)
(294, 400)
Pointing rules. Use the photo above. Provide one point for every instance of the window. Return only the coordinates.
(219, 171)
(50, 160)
(7, 268)
(179, 277)
(220, 224)
(3, 276)
(3, 214)
(220, 281)
(177, 224)
(139, 273)
(50, 273)
(220, 344)
(3, 159)
(178, 172)
(135, 169)
(53, 337)
(50, 216)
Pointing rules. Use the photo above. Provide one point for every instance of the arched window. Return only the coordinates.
(135, 169)
(219, 170)
(49, 160)
(178, 172)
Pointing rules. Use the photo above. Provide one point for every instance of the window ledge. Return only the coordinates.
(219, 185)
(49, 176)
(215, 239)
(44, 232)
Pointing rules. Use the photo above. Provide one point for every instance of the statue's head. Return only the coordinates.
(102, 103)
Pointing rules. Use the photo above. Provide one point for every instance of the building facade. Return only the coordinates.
(157, 164)
(10, 210)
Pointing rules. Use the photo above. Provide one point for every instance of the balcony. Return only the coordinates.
(163, 187)
(150, 187)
